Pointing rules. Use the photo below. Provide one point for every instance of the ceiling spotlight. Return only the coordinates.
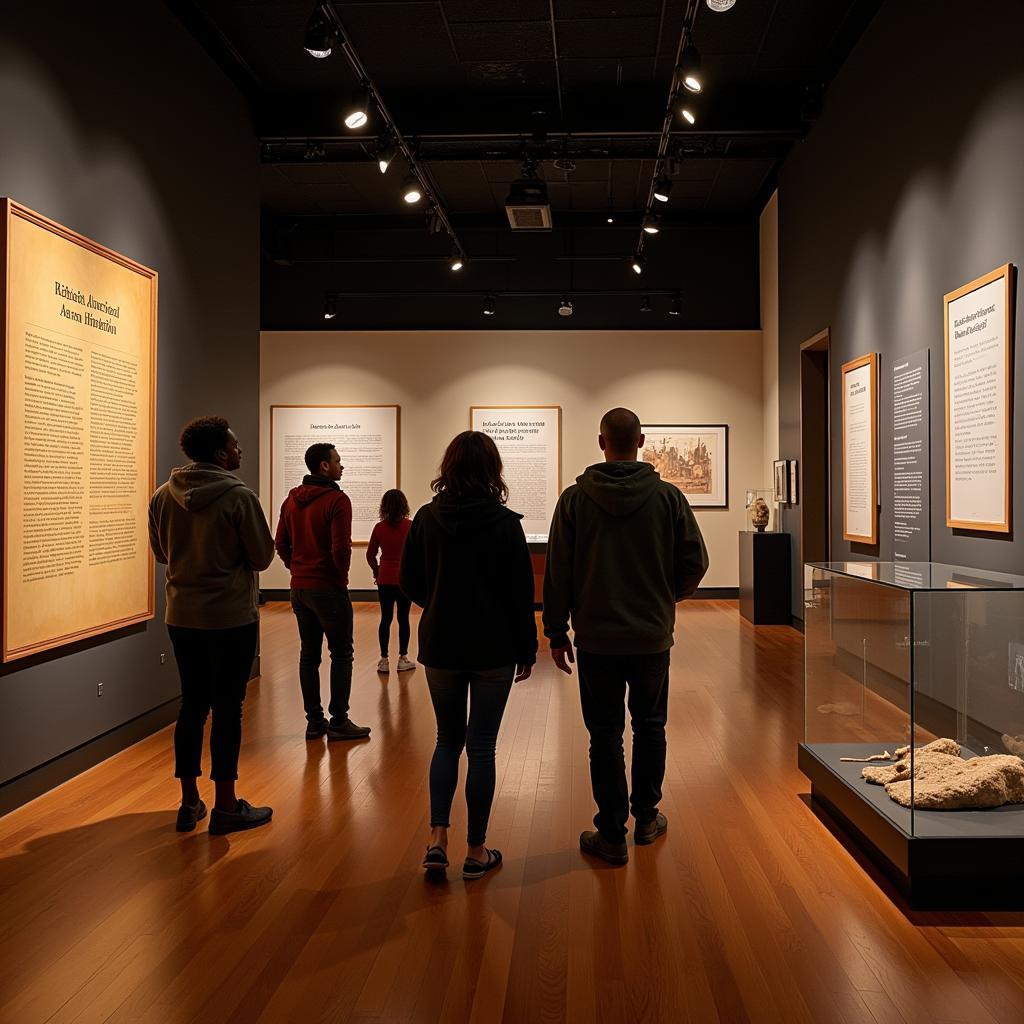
(490, 306)
(677, 306)
(647, 307)
(718, 6)
(689, 69)
(330, 308)
(357, 112)
(386, 151)
(610, 218)
(320, 35)
(565, 307)
(457, 262)
(411, 190)
(662, 190)
(688, 110)
(652, 224)
(638, 264)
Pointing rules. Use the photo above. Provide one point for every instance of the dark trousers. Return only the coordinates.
(390, 596)
(324, 613)
(214, 667)
(604, 679)
(486, 693)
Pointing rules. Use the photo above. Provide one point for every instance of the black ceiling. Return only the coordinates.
(476, 85)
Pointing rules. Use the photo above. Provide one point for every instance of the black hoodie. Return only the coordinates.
(624, 547)
(466, 564)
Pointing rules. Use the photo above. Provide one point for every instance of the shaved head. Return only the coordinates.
(620, 432)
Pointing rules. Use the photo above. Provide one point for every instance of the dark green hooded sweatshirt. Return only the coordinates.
(624, 547)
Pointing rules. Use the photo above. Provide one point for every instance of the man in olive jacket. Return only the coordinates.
(624, 547)
(207, 527)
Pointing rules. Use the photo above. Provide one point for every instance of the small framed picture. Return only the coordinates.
(785, 480)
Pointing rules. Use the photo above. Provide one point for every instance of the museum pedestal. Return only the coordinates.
(539, 558)
(765, 578)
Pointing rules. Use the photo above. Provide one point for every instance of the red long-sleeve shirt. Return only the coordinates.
(314, 535)
(388, 540)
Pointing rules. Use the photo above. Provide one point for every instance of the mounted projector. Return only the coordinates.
(527, 205)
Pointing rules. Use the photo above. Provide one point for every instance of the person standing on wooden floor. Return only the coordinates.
(387, 540)
(624, 547)
(467, 565)
(314, 540)
(207, 527)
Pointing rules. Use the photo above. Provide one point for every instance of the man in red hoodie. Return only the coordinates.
(314, 540)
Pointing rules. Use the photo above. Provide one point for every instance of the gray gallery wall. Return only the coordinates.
(909, 186)
(114, 122)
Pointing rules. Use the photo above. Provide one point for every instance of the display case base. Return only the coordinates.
(953, 860)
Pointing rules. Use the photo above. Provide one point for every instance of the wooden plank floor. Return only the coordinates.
(749, 910)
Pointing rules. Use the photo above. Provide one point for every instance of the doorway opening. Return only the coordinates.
(814, 449)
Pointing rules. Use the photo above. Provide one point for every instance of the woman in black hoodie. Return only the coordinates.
(467, 565)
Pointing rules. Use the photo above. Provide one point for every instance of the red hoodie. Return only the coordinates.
(314, 534)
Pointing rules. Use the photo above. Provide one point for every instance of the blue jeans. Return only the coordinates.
(603, 682)
(486, 693)
(321, 613)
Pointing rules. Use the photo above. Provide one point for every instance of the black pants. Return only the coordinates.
(486, 692)
(324, 613)
(390, 596)
(214, 666)
(604, 679)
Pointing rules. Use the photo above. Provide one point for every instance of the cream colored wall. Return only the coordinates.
(770, 332)
(665, 376)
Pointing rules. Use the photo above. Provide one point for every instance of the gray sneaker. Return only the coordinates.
(597, 846)
(243, 817)
(346, 729)
(644, 835)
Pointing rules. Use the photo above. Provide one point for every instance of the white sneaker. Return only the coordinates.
(383, 667)
(405, 665)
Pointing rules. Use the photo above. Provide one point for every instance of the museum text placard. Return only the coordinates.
(79, 323)
(979, 402)
(860, 449)
(367, 439)
(529, 439)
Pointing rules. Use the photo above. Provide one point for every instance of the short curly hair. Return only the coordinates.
(203, 437)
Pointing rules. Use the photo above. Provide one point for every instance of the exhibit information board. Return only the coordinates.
(79, 325)
(529, 439)
(911, 490)
(367, 439)
(979, 403)
(860, 449)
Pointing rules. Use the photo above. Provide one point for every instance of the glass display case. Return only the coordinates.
(914, 720)
(762, 515)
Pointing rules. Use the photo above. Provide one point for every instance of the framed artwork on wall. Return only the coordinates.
(785, 481)
(79, 325)
(692, 457)
(978, 324)
(860, 449)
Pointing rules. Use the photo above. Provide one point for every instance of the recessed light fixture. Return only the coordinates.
(662, 190)
(357, 111)
(412, 192)
(330, 308)
(565, 307)
(320, 35)
(689, 69)
(490, 305)
(457, 261)
(638, 264)
(652, 224)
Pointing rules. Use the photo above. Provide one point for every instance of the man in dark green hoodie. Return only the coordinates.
(624, 547)
(207, 527)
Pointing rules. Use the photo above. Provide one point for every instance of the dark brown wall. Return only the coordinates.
(114, 122)
(909, 186)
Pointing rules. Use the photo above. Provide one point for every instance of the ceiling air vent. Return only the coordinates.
(527, 206)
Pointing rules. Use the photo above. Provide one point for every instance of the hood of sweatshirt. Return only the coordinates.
(464, 516)
(312, 488)
(620, 488)
(200, 484)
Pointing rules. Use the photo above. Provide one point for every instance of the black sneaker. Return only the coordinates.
(597, 846)
(243, 817)
(188, 815)
(316, 729)
(346, 729)
(644, 835)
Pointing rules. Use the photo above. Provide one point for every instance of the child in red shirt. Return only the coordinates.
(388, 539)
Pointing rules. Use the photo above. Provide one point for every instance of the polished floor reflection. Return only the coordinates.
(749, 910)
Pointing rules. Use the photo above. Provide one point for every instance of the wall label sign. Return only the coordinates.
(860, 449)
(911, 478)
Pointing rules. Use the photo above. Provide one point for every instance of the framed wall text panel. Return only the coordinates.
(79, 427)
(978, 325)
(368, 440)
(529, 438)
(860, 449)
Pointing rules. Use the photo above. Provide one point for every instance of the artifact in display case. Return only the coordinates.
(914, 722)
(759, 507)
